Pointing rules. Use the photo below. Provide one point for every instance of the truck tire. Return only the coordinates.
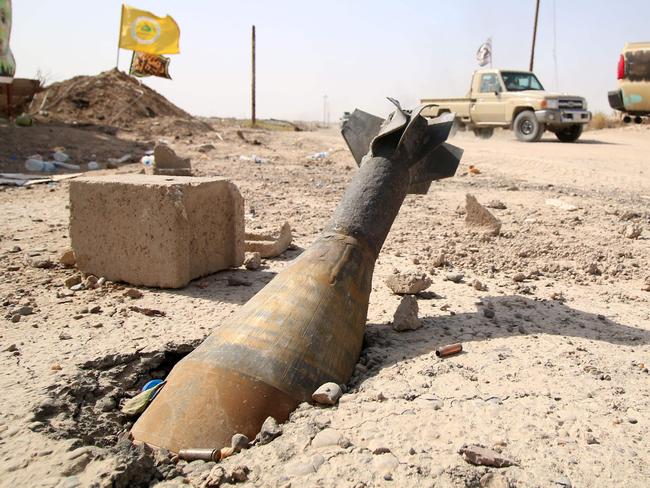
(484, 132)
(569, 134)
(527, 127)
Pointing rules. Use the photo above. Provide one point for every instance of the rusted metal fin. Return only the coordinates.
(359, 131)
(442, 162)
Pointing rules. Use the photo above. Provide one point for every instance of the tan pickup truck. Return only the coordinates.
(633, 94)
(515, 100)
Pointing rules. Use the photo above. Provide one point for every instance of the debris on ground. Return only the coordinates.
(561, 204)
(483, 456)
(408, 283)
(166, 162)
(450, 350)
(327, 394)
(269, 431)
(632, 231)
(406, 315)
(269, 245)
(476, 215)
(252, 260)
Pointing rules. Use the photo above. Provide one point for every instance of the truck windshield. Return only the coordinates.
(520, 81)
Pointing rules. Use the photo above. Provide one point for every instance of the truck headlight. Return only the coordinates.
(584, 104)
(552, 103)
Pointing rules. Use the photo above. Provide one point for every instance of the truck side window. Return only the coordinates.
(489, 83)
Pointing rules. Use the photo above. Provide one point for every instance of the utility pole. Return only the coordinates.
(532, 51)
(253, 120)
(325, 121)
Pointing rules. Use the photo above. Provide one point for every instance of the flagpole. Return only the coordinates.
(117, 62)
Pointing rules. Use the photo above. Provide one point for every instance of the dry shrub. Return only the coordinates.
(601, 120)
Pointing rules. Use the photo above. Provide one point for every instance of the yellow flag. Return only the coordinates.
(143, 31)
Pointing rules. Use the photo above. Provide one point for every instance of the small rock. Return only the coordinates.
(239, 473)
(483, 456)
(632, 231)
(252, 260)
(25, 310)
(15, 249)
(376, 450)
(216, 478)
(68, 259)
(591, 439)
(239, 442)
(95, 309)
(78, 287)
(593, 269)
(406, 315)
(479, 216)
(204, 148)
(455, 277)
(41, 263)
(632, 420)
(408, 283)
(56, 367)
(91, 282)
(133, 293)
(15, 318)
(64, 336)
(494, 480)
(519, 277)
(326, 438)
(10, 348)
(479, 285)
(72, 281)
(327, 394)
(439, 261)
(496, 204)
(269, 431)
(563, 482)
(488, 313)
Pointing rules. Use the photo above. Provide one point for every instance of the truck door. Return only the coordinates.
(487, 105)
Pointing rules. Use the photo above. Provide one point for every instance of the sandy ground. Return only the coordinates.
(557, 379)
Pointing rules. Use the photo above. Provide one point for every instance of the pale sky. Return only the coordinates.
(355, 52)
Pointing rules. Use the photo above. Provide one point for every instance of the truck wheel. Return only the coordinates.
(484, 132)
(569, 134)
(527, 127)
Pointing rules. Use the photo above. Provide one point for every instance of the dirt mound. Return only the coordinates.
(110, 98)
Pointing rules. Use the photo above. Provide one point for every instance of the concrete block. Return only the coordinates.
(166, 162)
(158, 231)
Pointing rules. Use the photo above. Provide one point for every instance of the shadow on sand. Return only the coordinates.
(514, 315)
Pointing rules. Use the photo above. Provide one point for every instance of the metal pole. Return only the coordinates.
(119, 36)
(253, 119)
(532, 52)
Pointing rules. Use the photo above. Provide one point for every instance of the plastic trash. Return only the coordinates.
(60, 156)
(60, 164)
(40, 165)
(93, 165)
(122, 160)
(150, 384)
(320, 155)
(254, 158)
(24, 120)
(147, 160)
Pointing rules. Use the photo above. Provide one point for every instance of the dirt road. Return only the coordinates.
(554, 375)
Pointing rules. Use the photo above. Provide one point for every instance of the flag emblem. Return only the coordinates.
(145, 32)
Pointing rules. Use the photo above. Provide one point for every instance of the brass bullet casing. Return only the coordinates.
(305, 327)
(200, 454)
(450, 350)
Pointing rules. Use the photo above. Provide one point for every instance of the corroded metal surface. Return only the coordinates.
(305, 327)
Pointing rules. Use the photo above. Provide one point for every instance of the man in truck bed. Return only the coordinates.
(514, 100)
